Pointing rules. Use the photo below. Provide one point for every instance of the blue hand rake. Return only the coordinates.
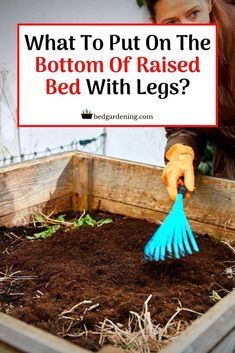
(174, 236)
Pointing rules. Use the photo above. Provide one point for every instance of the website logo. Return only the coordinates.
(86, 114)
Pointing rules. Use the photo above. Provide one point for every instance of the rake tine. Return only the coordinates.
(147, 253)
(150, 248)
(170, 243)
(178, 245)
(191, 237)
(165, 243)
(175, 244)
(163, 252)
(156, 253)
(158, 246)
(186, 242)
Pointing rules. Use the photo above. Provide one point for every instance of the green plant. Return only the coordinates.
(49, 229)
(140, 2)
(52, 225)
(205, 166)
(88, 220)
(127, 347)
(215, 297)
(45, 233)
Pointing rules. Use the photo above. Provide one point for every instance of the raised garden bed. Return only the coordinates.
(69, 283)
(105, 265)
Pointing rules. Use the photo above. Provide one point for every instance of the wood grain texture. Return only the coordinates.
(123, 184)
(29, 339)
(227, 345)
(138, 185)
(209, 331)
(25, 216)
(5, 348)
(82, 182)
(110, 349)
(31, 185)
(157, 217)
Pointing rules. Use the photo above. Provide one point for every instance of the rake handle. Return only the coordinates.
(182, 190)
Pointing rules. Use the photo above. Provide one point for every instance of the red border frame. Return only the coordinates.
(113, 24)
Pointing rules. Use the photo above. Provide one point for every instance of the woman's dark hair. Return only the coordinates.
(222, 14)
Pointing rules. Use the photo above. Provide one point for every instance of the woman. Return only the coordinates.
(184, 146)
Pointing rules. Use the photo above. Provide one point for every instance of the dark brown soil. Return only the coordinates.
(105, 265)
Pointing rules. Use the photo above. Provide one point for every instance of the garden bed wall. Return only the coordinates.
(213, 333)
(137, 190)
(27, 188)
(81, 181)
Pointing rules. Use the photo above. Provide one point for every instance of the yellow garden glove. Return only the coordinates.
(180, 164)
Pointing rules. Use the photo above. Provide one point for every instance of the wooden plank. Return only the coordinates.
(227, 344)
(210, 209)
(205, 333)
(212, 204)
(157, 217)
(33, 183)
(82, 182)
(111, 349)
(28, 339)
(5, 348)
(25, 216)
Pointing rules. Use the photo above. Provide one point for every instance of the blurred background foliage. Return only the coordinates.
(205, 166)
(140, 2)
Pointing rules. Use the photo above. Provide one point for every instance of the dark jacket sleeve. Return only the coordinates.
(194, 138)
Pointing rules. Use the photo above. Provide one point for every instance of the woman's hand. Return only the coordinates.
(180, 165)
